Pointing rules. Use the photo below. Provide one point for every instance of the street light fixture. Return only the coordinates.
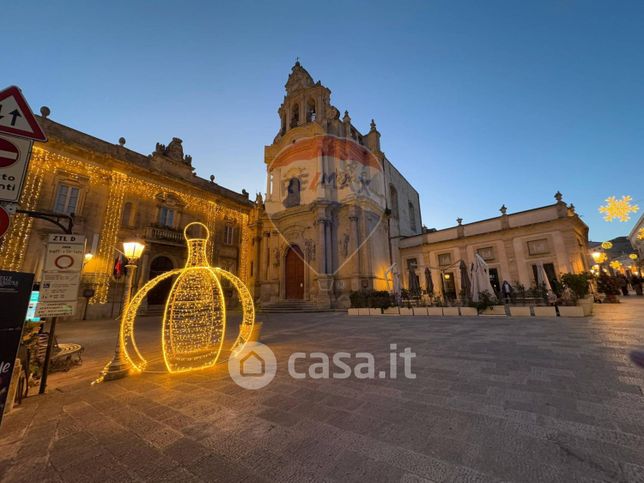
(119, 366)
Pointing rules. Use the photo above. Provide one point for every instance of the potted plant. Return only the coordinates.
(487, 304)
(567, 304)
(579, 285)
(610, 287)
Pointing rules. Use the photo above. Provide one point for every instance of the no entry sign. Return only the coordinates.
(9, 153)
(4, 221)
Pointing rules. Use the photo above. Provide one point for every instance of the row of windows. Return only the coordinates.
(535, 247)
(67, 202)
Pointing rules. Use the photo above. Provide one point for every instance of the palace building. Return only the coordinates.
(335, 206)
(114, 195)
(513, 245)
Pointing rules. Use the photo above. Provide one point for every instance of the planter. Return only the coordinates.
(420, 311)
(354, 311)
(586, 304)
(406, 311)
(451, 311)
(571, 311)
(520, 311)
(435, 311)
(497, 310)
(391, 311)
(545, 312)
(469, 311)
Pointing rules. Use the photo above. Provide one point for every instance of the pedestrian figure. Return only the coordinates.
(506, 292)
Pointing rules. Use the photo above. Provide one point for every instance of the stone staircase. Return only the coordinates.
(289, 306)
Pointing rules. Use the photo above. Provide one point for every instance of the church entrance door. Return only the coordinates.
(294, 273)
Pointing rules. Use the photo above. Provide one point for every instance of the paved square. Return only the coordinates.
(494, 399)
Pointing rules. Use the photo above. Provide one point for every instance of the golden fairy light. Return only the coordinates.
(618, 209)
(640, 234)
(194, 318)
(121, 186)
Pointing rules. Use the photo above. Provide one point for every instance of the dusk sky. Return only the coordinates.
(479, 103)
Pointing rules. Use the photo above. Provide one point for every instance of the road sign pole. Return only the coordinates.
(45, 366)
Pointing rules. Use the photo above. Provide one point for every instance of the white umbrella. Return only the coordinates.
(480, 276)
(542, 280)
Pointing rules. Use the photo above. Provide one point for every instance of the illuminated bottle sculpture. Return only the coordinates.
(194, 319)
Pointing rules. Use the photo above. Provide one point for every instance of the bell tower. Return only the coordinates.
(305, 101)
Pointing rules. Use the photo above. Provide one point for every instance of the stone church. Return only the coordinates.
(335, 206)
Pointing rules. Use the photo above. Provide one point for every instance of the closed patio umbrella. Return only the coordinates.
(429, 283)
(465, 279)
(413, 282)
(542, 280)
(480, 278)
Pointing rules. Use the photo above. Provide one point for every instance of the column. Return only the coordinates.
(354, 242)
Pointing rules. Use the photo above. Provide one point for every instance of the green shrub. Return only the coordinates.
(579, 283)
(608, 285)
(486, 300)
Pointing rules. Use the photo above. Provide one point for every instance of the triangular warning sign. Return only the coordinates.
(16, 117)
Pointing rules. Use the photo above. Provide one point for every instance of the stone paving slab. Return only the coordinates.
(493, 400)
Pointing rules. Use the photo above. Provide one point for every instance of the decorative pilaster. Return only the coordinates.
(109, 238)
(244, 249)
(12, 251)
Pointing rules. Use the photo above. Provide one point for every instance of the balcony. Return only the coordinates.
(164, 235)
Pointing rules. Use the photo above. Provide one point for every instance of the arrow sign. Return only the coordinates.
(16, 117)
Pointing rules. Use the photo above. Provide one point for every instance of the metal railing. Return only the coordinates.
(161, 233)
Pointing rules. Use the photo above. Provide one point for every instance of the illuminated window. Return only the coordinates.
(66, 199)
(229, 234)
(445, 259)
(166, 217)
(538, 247)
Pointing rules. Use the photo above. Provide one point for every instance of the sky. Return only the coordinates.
(479, 104)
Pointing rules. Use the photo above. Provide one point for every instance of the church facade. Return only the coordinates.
(335, 206)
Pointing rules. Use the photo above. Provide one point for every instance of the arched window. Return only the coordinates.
(412, 216)
(393, 194)
(295, 115)
(310, 110)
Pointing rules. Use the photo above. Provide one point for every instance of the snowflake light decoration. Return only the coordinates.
(616, 264)
(618, 209)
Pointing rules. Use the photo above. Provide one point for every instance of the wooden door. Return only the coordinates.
(294, 273)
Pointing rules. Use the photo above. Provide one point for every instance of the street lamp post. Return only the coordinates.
(119, 366)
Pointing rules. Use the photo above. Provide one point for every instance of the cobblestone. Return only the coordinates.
(494, 400)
